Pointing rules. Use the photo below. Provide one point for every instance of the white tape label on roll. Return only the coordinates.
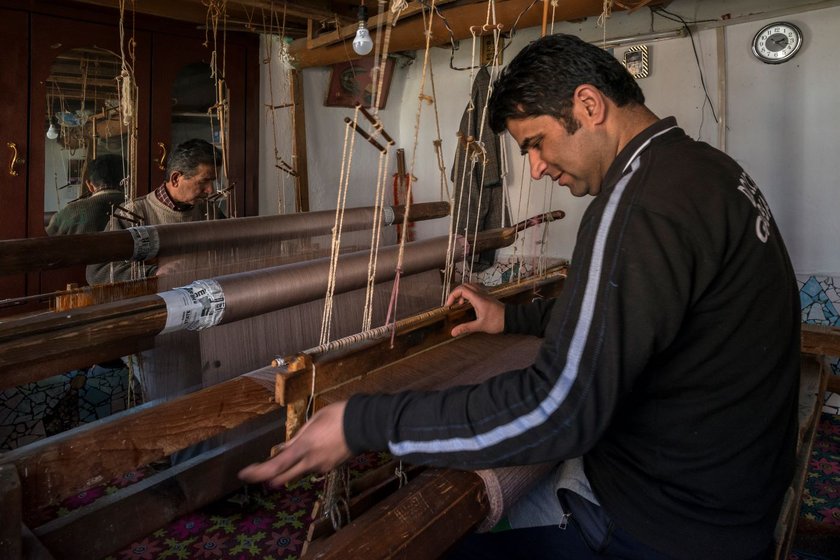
(388, 215)
(146, 242)
(194, 307)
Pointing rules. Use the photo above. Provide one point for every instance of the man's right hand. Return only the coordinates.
(489, 312)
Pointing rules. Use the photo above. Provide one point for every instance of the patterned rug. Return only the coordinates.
(818, 531)
(254, 523)
(258, 524)
(821, 498)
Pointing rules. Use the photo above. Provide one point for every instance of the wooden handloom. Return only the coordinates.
(38, 476)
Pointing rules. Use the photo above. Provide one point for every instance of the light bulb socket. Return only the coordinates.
(362, 13)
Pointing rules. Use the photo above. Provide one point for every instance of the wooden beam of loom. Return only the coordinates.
(410, 35)
(43, 253)
(52, 468)
(419, 521)
(413, 335)
(135, 511)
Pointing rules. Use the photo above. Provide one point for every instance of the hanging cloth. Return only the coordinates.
(474, 206)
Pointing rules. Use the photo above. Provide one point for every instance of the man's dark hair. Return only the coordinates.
(106, 172)
(542, 78)
(188, 155)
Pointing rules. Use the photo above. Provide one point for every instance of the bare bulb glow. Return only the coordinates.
(362, 43)
(52, 132)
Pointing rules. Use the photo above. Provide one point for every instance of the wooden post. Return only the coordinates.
(299, 156)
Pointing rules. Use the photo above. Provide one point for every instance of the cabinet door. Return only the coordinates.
(182, 92)
(14, 28)
(72, 87)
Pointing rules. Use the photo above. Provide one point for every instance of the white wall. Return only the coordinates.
(781, 121)
(783, 128)
(325, 131)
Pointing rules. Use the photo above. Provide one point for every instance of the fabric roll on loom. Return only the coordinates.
(204, 303)
(146, 242)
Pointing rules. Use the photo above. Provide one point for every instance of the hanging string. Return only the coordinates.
(606, 13)
(127, 97)
(216, 14)
(475, 151)
(284, 59)
(379, 203)
(344, 181)
(392, 307)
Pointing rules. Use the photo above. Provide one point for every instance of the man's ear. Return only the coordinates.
(590, 102)
(175, 178)
(90, 186)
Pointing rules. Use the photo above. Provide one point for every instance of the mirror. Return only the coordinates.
(82, 122)
(194, 115)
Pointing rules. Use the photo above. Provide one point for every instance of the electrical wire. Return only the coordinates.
(663, 13)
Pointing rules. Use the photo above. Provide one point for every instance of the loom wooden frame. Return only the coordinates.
(36, 476)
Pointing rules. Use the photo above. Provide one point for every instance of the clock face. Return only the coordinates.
(777, 42)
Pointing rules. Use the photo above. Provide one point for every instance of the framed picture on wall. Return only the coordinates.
(351, 82)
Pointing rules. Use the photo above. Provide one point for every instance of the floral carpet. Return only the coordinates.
(254, 523)
(258, 524)
(821, 498)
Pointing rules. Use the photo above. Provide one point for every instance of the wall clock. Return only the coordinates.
(777, 42)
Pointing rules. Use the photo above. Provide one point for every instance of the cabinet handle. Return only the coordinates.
(15, 159)
(162, 159)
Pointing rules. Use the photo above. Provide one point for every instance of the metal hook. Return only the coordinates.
(15, 159)
(162, 160)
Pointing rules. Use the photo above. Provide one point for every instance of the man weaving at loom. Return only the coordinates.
(668, 376)
(190, 178)
(90, 213)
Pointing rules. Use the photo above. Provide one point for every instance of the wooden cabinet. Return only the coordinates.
(170, 63)
(182, 92)
(14, 28)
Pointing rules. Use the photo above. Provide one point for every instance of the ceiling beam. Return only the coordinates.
(304, 9)
(379, 19)
(409, 35)
(184, 11)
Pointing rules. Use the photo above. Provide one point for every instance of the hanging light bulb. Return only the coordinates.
(362, 43)
(52, 131)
